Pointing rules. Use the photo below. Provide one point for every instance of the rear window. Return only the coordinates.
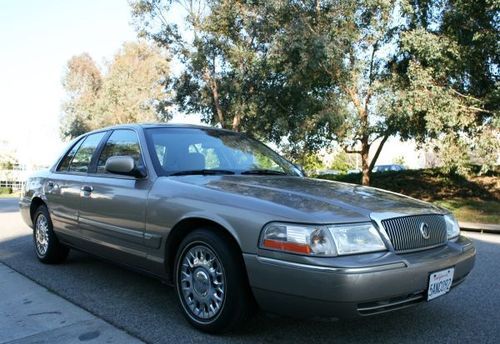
(79, 157)
(64, 165)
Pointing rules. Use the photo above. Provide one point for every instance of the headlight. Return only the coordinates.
(452, 228)
(323, 241)
(358, 238)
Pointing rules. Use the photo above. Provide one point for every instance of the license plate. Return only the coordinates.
(440, 283)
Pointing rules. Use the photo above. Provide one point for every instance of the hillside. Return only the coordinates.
(475, 198)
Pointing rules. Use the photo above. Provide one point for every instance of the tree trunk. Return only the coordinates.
(365, 162)
(367, 165)
(236, 122)
(212, 83)
(218, 108)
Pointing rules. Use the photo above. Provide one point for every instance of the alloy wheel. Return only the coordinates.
(42, 234)
(202, 282)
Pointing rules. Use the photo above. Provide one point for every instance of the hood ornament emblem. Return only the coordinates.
(424, 230)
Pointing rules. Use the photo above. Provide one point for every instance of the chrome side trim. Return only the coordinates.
(112, 228)
(147, 239)
(319, 268)
(65, 216)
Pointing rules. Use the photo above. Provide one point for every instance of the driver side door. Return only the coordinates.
(113, 210)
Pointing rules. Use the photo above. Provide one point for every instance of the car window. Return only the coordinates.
(81, 160)
(210, 154)
(121, 142)
(64, 165)
(180, 150)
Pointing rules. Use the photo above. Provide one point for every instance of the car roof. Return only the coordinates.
(159, 125)
(156, 125)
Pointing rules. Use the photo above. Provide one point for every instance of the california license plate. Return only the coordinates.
(440, 283)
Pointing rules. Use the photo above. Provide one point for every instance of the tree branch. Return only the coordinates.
(351, 151)
(377, 153)
(355, 99)
(370, 76)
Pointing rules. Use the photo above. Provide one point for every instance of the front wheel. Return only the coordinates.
(47, 247)
(211, 282)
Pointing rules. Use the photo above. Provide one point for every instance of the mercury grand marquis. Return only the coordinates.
(233, 225)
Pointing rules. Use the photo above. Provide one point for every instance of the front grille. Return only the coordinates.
(405, 233)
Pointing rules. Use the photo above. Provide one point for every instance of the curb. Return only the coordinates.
(31, 313)
(480, 227)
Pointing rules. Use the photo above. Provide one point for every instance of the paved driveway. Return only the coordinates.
(147, 309)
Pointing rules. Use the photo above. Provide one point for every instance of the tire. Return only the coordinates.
(48, 249)
(211, 283)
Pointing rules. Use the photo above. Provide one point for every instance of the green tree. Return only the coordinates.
(399, 160)
(343, 162)
(304, 74)
(82, 83)
(232, 73)
(449, 79)
(133, 89)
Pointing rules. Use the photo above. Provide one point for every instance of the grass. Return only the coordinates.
(473, 210)
(10, 195)
(471, 199)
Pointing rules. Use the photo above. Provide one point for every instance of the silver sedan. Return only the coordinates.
(234, 226)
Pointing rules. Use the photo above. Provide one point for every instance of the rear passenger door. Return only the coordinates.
(63, 188)
(113, 211)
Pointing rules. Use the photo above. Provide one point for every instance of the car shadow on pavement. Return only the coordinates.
(146, 308)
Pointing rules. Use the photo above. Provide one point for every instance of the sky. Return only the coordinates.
(37, 38)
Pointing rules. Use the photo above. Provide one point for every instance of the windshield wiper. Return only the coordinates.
(265, 172)
(201, 172)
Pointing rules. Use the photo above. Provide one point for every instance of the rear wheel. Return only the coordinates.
(47, 247)
(211, 282)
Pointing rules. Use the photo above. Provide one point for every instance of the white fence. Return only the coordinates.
(13, 184)
(13, 178)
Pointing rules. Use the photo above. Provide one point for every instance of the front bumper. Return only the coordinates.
(345, 287)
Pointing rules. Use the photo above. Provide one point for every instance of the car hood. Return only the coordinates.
(323, 200)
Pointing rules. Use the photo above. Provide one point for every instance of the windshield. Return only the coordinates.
(183, 151)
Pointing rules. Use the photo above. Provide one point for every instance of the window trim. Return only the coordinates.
(79, 142)
(100, 147)
(93, 166)
(158, 168)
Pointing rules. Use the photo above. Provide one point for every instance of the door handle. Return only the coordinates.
(87, 188)
(50, 184)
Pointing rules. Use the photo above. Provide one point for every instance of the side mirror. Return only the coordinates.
(124, 165)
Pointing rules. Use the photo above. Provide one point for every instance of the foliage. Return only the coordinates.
(343, 162)
(449, 79)
(5, 190)
(6, 165)
(399, 160)
(433, 184)
(131, 90)
(302, 74)
(310, 162)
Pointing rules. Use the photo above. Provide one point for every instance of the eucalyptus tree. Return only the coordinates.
(450, 77)
(82, 81)
(130, 89)
(307, 74)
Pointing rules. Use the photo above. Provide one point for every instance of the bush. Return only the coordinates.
(431, 184)
(5, 190)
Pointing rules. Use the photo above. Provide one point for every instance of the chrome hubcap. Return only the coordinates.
(202, 282)
(42, 234)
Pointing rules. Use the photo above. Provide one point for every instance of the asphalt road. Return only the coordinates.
(147, 309)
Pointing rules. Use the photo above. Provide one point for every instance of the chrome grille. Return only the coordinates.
(405, 233)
